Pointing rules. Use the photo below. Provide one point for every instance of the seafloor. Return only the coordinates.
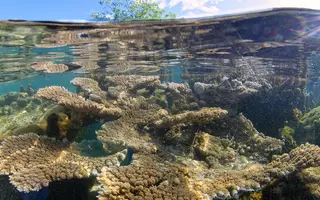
(223, 108)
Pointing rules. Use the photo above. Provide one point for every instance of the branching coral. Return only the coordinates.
(148, 177)
(74, 102)
(33, 161)
(203, 116)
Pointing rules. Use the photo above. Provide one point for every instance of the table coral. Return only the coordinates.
(86, 84)
(74, 102)
(124, 132)
(148, 177)
(132, 81)
(33, 161)
(204, 115)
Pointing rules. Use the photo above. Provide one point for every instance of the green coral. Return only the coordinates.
(312, 117)
(287, 133)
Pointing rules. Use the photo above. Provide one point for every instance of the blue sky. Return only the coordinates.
(81, 9)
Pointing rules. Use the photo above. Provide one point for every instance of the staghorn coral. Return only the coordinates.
(50, 67)
(148, 177)
(74, 102)
(203, 116)
(33, 161)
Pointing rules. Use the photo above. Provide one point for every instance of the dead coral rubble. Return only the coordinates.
(33, 161)
(77, 103)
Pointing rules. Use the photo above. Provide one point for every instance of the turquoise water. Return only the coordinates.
(40, 81)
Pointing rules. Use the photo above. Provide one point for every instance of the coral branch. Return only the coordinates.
(74, 102)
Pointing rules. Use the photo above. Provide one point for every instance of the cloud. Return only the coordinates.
(201, 5)
(196, 15)
(73, 20)
(162, 3)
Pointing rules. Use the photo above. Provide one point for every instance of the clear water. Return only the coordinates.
(199, 109)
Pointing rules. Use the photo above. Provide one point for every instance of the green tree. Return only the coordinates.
(128, 10)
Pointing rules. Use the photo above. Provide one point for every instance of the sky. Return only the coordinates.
(79, 10)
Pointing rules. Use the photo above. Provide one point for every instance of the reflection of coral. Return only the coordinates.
(74, 102)
(148, 177)
(50, 67)
(32, 162)
(205, 115)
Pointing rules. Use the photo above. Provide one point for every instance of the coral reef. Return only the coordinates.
(203, 116)
(179, 97)
(124, 132)
(33, 161)
(213, 149)
(72, 101)
(148, 177)
(86, 84)
(311, 177)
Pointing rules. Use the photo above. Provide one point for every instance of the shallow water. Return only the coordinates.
(215, 108)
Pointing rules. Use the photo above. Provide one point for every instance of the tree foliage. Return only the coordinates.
(128, 10)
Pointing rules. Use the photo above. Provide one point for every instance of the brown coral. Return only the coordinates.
(304, 156)
(132, 81)
(311, 177)
(203, 116)
(148, 177)
(124, 132)
(213, 149)
(33, 161)
(86, 84)
(50, 67)
(74, 102)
